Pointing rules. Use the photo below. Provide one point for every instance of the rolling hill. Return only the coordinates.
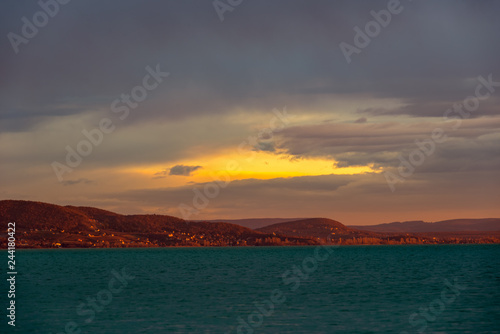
(255, 223)
(322, 228)
(44, 225)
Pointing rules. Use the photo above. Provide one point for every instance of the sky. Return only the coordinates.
(365, 112)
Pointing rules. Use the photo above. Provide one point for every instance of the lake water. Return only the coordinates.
(349, 289)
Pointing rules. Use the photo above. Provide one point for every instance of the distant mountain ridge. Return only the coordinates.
(451, 225)
(416, 226)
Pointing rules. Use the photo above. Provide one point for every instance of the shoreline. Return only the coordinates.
(256, 246)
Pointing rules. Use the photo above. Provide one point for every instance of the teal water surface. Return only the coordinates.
(348, 289)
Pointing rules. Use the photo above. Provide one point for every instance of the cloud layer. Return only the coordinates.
(225, 78)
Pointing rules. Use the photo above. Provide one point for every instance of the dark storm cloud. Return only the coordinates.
(265, 146)
(183, 170)
(261, 53)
